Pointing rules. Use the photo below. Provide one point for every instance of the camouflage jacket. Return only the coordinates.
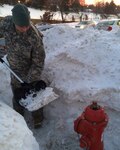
(25, 51)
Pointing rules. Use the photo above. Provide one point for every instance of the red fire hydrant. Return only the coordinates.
(91, 125)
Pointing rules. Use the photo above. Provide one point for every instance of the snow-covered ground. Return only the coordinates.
(35, 14)
(82, 66)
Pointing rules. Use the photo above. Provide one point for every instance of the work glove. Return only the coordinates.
(28, 88)
(34, 86)
(22, 91)
(38, 85)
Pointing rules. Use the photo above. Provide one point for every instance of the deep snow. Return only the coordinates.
(14, 133)
(82, 66)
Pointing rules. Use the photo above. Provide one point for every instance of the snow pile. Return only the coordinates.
(14, 133)
(41, 99)
(85, 67)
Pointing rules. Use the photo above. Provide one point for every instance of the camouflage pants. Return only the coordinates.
(16, 106)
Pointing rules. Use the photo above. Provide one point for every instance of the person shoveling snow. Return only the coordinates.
(25, 54)
(32, 96)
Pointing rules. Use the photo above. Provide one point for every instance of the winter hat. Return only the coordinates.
(21, 15)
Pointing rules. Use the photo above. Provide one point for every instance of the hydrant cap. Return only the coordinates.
(95, 115)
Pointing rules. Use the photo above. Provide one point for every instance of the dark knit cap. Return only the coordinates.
(21, 15)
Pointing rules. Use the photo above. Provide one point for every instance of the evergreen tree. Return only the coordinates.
(110, 8)
(36, 3)
(11, 2)
(76, 6)
(99, 7)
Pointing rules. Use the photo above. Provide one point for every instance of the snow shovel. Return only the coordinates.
(34, 95)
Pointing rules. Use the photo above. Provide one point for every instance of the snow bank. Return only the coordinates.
(14, 133)
(84, 64)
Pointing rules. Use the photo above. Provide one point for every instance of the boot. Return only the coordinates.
(38, 117)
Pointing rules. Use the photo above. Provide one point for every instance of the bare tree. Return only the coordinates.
(61, 5)
(47, 17)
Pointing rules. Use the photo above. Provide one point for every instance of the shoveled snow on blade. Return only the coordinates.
(42, 98)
